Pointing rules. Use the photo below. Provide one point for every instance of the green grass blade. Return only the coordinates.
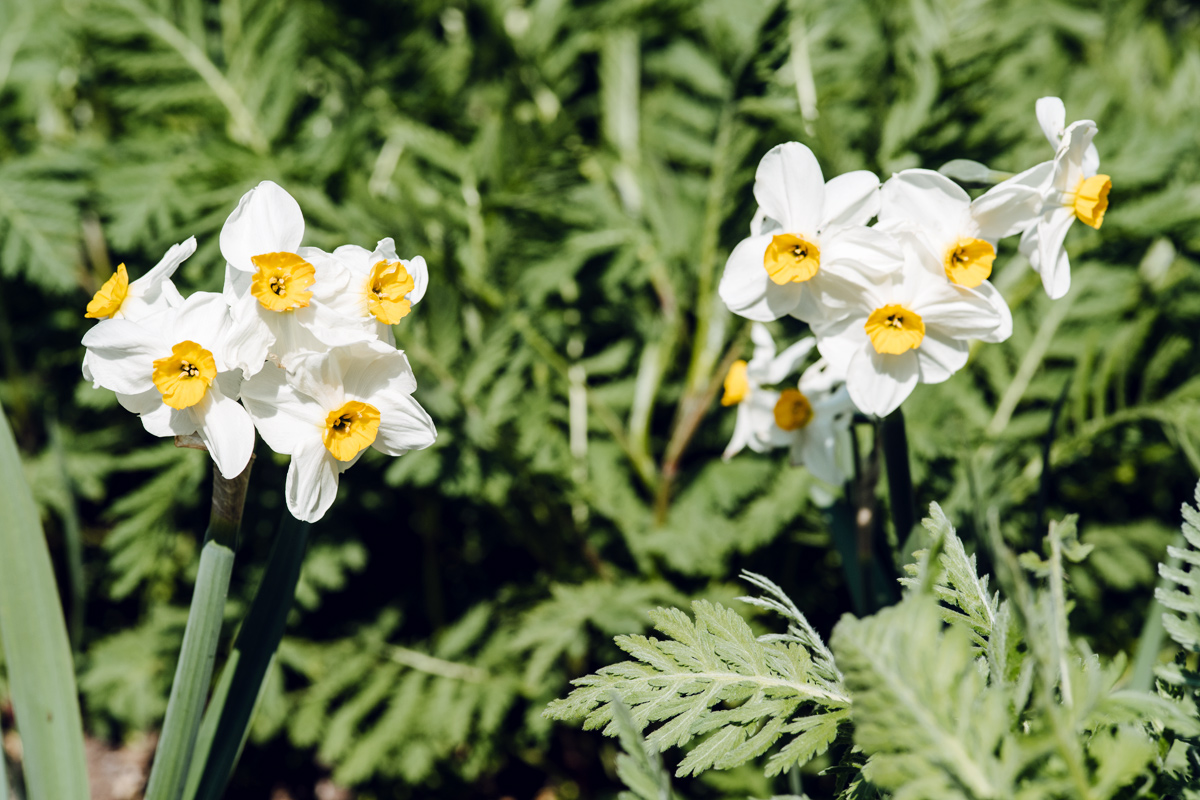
(255, 646)
(41, 674)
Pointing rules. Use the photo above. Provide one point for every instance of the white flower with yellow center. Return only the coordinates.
(1071, 189)
(911, 327)
(807, 242)
(327, 408)
(744, 387)
(382, 289)
(119, 298)
(273, 285)
(958, 235)
(171, 369)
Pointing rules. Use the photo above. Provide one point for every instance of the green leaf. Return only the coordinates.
(254, 649)
(37, 655)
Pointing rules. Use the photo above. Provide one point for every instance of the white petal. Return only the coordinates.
(765, 435)
(927, 200)
(818, 447)
(741, 432)
(321, 376)
(123, 355)
(226, 429)
(867, 251)
(373, 368)
(787, 361)
(357, 259)
(266, 220)
(851, 199)
(749, 291)
(403, 424)
(283, 416)
(150, 287)
(166, 421)
(1052, 116)
(878, 382)
(204, 319)
(1052, 260)
(312, 480)
(957, 312)
(790, 188)
(248, 338)
(142, 403)
(764, 351)
(839, 340)
(1004, 330)
(1005, 209)
(420, 275)
(940, 357)
(1068, 162)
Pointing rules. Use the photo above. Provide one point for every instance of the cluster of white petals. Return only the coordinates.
(303, 338)
(892, 279)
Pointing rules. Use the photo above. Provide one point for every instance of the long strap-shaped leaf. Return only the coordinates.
(255, 646)
(41, 674)
(193, 675)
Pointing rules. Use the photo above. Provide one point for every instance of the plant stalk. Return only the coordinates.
(193, 674)
(255, 647)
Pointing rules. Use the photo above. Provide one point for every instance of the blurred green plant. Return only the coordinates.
(574, 172)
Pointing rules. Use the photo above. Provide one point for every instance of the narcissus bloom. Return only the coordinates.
(815, 418)
(958, 235)
(171, 369)
(382, 288)
(327, 408)
(745, 387)
(808, 239)
(118, 298)
(274, 285)
(1071, 189)
(1052, 117)
(911, 327)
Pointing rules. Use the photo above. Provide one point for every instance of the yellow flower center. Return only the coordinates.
(107, 301)
(387, 286)
(351, 429)
(282, 280)
(184, 376)
(736, 384)
(791, 259)
(792, 410)
(894, 329)
(1091, 199)
(969, 262)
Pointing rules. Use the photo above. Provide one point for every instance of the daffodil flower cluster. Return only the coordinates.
(303, 338)
(892, 279)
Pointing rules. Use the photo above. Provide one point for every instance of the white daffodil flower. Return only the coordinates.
(910, 327)
(119, 298)
(959, 235)
(808, 240)
(816, 418)
(327, 408)
(744, 387)
(171, 369)
(382, 289)
(1071, 189)
(1052, 117)
(273, 285)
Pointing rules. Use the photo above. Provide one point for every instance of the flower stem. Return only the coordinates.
(252, 654)
(193, 674)
(899, 474)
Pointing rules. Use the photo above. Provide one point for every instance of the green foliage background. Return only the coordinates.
(575, 174)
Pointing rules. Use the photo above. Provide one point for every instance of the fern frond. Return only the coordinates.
(713, 677)
(1181, 594)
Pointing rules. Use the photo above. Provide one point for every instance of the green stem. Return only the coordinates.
(193, 674)
(255, 646)
(899, 474)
